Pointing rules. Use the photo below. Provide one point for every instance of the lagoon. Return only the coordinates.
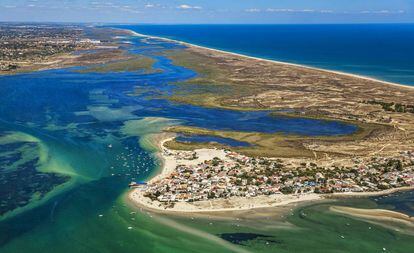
(88, 130)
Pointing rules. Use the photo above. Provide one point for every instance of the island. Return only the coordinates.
(276, 168)
(367, 147)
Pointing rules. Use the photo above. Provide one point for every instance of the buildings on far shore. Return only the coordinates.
(21, 45)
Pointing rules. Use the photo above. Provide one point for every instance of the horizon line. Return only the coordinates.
(146, 23)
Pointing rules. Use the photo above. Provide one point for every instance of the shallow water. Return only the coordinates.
(311, 228)
(89, 133)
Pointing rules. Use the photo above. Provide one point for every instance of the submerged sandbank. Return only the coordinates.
(393, 220)
(375, 214)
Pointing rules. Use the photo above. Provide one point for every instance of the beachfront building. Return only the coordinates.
(240, 176)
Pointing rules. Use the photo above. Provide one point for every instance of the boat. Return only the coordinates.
(136, 184)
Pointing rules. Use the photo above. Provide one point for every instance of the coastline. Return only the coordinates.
(369, 194)
(245, 203)
(133, 33)
(222, 205)
(389, 219)
(375, 214)
(168, 165)
(159, 140)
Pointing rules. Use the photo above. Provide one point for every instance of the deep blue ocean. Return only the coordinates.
(382, 51)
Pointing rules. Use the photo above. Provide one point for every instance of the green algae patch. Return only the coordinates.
(29, 176)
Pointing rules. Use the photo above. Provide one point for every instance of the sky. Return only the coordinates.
(209, 11)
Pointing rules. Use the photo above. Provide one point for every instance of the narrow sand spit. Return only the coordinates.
(376, 215)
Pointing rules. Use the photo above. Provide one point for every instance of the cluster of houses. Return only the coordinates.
(242, 176)
(31, 43)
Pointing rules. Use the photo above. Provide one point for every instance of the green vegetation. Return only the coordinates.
(267, 144)
(209, 72)
(224, 82)
(132, 64)
(392, 107)
(262, 144)
(213, 87)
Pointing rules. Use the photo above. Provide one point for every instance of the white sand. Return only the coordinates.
(170, 162)
(237, 203)
(371, 194)
(222, 205)
(273, 61)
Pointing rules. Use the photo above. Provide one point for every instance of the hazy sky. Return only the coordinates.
(209, 11)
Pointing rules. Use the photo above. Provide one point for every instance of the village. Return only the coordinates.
(22, 45)
(237, 175)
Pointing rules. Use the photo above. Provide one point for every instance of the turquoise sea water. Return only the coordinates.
(70, 143)
(382, 51)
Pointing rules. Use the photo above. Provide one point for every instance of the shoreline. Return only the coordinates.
(168, 165)
(264, 202)
(397, 221)
(160, 173)
(244, 203)
(375, 214)
(133, 33)
(339, 195)
(233, 204)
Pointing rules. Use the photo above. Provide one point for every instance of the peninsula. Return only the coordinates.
(32, 47)
(275, 168)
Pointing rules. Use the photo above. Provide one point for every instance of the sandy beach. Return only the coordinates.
(375, 214)
(239, 203)
(160, 139)
(170, 162)
(222, 205)
(272, 61)
(370, 194)
(385, 218)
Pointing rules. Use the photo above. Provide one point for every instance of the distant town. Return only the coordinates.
(240, 176)
(23, 45)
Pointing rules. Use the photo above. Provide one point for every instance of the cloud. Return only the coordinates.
(382, 12)
(188, 7)
(285, 10)
(325, 11)
(299, 11)
(111, 7)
